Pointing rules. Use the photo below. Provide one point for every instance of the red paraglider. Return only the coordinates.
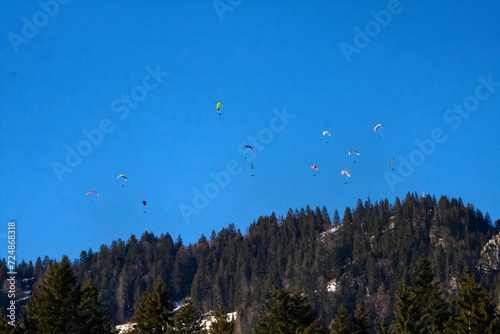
(92, 192)
(314, 167)
(248, 146)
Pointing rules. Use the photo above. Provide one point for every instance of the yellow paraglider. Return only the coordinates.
(218, 107)
(124, 178)
(326, 133)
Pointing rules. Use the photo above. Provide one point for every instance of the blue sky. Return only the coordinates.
(142, 79)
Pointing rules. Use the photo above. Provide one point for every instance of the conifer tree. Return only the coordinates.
(421, 308)
(360, 320)
(154, 312)
(343, 323)
(432, 310)
(404, 311)
(54, 309)
(186, 319)
(383, 329)
(221, 325)
(94, 318)
(285, 313)
(451, 326)
(4, 326)
(477, 313)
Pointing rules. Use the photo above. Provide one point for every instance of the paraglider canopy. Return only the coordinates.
(346, 173)
(326, 133)
(218, 107)
(314, 166)
(247, 146)
(390, 162)
(353, 151)
(144, 202)
(377, 127)
(92, 192)
(124, 177)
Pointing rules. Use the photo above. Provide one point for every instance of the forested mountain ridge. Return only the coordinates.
(368, 253)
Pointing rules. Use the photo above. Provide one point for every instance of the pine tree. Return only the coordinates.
(221, 325)
(4, 326)
(451, 326)
(421, 308)
(186, 319)
(285, 313)
(360, 320)
(94, 317)
(154, 312)
(404, 311)
(477, 313)
(343, 323)
(383, 329)
(314, 328)
(54, 309)
(432, 310)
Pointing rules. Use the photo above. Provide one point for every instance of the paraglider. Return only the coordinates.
(390, 162)
(218, 107)
(346, 173)
(355, 152)
(326, 133)
(378, 126)
(314, 167)
(92, 192)
(247, 146)
(124, 177)
(144, 203)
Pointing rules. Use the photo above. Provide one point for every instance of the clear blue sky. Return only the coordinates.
(148, 76)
